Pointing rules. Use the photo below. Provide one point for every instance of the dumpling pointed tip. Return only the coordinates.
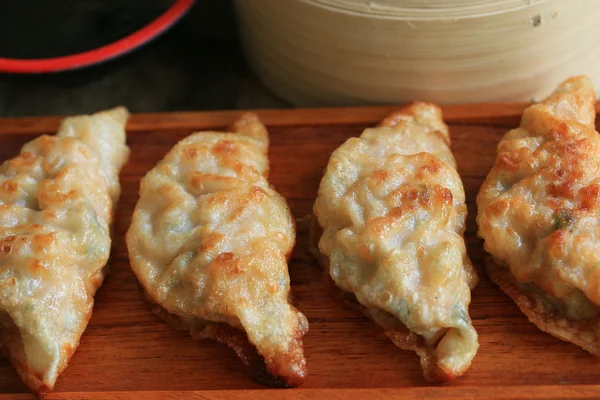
(573, 100)
(119, 113)
(421, 113)
(249, 124)
(418, 110)
(575, 83)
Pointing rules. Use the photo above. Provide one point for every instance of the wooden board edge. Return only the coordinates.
(443, 392)
(488, 113)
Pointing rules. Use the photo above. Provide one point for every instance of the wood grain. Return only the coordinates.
(128, 353)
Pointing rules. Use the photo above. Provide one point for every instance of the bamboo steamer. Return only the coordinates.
(345, 52)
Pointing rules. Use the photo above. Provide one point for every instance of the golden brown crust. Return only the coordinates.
(399, 334)
(584, 333)
(392, 211)
(236, 340)
(210, 240)
(538, 215)
(56, 203)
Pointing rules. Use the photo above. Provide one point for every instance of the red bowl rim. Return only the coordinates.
(103, 53)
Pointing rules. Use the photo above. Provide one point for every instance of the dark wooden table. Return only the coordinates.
(198, 65)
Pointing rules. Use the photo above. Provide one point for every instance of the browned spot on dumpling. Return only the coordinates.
(201, 181)
(589, 197)
(10, 185)
(224, 258)
(52, 195)
(22, 160)
(442, 195)
(556, 242)
(380, 226)
(364, 251)
(197, 178)
(500, 207)
(257, 193)
(247, 172)
(12, 281)
(191, 152)
(432, 167)
(379, 177)
(37, 266)
(563, 189)
(507, 163)
(223, 147)
(68, 349)
(6, 244)
(396, 212)
(230, 264)
(402, 195)
(44, 241)
(384, 296)
(210, 241)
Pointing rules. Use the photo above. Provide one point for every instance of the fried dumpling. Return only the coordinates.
(390, 216)
(56, 207)
(538, 213)
(209, 242)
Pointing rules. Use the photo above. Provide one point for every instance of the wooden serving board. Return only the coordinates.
(128, 353)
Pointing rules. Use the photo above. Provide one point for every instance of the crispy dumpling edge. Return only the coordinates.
(583, 333)
(120, 115)
(410, 340)
(540, 314)
(405, 339)
(248, 124)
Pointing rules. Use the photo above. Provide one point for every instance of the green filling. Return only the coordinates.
(562, 219)
(459, 313)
